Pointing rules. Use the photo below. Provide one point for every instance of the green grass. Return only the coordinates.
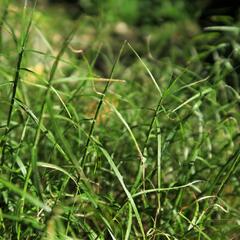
(107, 138)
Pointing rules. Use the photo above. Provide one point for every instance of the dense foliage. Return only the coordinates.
(120, 122)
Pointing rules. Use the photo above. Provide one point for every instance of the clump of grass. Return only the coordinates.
(115, 144)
